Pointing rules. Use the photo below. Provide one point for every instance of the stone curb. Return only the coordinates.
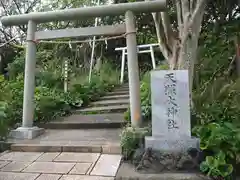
(104, 149)
(95, 125)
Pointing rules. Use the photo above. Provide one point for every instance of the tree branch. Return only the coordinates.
(198, 10)
(194, 21)
(6, 35)
(179, 16)
(31, 6)
(168, 31)
(166, 51)
(192, 5)
(185, 10)
(17, 6)
(4, 8)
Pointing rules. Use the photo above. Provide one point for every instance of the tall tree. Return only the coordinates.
(178, 34)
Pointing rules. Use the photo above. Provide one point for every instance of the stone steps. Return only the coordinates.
(105, 113)
(122, 89)
(91, 121)
(110, 102)
(114, 97)
(116, 101)
(121, 92)
(103, 109)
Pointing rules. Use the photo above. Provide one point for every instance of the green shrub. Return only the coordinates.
(146, 97)
(3, 121)
(49, 79)
(49, 104)
(217, 110)
(17, 66)
(132, 138)
(14, 91)
(101, 82)
(216, 107)
(217, 167)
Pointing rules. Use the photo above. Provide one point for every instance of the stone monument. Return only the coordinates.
(171, 126)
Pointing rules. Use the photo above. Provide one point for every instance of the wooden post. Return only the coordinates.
(65, 76)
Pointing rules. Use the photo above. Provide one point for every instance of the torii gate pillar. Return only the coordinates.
(133, 70)
(27, 131)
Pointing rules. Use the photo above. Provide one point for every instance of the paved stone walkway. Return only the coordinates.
(58, 166)
(83, 140)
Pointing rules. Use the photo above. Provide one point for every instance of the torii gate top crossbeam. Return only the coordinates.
(85, 12)
(139, 46)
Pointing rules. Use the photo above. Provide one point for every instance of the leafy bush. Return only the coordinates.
(3, 110)
(49, 79)
(132, 138)
(3, 121)
(217, 167)
(216, 110)
(49, 104)
(17, 66)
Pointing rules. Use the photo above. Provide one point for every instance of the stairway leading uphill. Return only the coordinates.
(116, 101)
(95, 128)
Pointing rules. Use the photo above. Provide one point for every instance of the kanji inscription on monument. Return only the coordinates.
(172, 107)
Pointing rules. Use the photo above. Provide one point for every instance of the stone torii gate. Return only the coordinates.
(27, 131)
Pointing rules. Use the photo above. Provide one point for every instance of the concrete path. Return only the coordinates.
(58, 166)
